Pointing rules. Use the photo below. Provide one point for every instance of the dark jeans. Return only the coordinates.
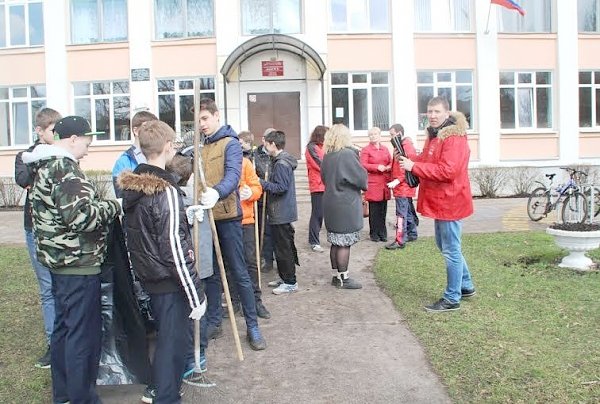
(267, 248)
(250, 250)
(285, 251)
(232, 249)
(171, 311)
(316, 217)
(377, 228)
(76, 339)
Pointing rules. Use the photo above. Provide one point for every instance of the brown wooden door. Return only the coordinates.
(276, 110)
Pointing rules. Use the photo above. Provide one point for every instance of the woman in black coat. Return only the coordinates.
(344, 179)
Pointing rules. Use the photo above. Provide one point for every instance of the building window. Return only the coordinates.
(95, 21)
(359, 16)
(537, 19)
(271, 16)
(455, 86)
(361, 100)
(106, 105)
(21, 23)
(589, 99)
(525, 100)
(183, 18)
(588, 13)
(18, 106)
(176, 102)
(443, 15)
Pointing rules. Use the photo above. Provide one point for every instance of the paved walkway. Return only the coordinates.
(326, 345)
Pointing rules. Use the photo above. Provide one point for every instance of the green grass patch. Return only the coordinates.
(532, 332)
(22, 338)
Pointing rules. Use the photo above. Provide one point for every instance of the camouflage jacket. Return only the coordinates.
(69, 220)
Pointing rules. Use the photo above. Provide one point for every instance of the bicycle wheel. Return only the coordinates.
(596, 201)
(538, 204)
(575, 208)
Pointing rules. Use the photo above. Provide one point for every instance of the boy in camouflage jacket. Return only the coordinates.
(71, 224)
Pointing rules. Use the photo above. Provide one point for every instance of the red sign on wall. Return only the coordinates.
(271, 68)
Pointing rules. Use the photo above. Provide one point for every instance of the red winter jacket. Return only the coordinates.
(402, 190)
(370, 158)
(442, 167)
(314, 156)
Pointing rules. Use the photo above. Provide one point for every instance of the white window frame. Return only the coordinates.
(7, 4)
(581, 12)
(452, 84)
(110, 97)
(100, 22)
(185, 28)
(271, 29)
(533, 86)
(350, 86)
(443, 16)
(365, 9)
(31, 111)
(177, 92)
(595, 100)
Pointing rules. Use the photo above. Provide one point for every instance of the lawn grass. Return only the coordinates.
(22, 338)
(532, 332)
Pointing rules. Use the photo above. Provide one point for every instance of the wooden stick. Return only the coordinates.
(213, 227)
(256, 245)
(264, 215)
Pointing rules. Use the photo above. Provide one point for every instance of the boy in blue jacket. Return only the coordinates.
(282, 211)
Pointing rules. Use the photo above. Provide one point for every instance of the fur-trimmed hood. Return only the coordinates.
(457, 126)
(144, 181)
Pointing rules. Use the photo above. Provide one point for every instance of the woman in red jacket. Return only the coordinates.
(314, 156)
(377, 160)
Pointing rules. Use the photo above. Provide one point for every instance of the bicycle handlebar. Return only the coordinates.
(572, 172)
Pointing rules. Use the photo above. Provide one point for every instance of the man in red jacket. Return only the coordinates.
(445, 195)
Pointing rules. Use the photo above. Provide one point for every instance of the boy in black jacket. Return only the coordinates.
(161, 251)
(282, 211)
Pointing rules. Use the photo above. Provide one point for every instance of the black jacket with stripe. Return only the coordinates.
(158, 235)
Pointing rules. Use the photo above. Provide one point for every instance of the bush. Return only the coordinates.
(102, 180)
(490, 180)
(522, 180)
(10, 193)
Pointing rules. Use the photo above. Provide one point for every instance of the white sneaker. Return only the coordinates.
(285, 288)
(317, 248)
(275, 283)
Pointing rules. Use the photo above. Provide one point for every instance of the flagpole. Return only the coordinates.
(487, 24)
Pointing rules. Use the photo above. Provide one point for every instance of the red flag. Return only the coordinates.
(510, 4)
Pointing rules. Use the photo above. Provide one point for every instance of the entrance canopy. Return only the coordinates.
(267, 42)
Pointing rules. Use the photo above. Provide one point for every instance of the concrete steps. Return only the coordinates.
(301, 177)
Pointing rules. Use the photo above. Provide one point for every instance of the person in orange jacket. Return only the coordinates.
(250, 191)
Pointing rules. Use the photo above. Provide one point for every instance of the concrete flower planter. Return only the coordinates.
(577, 243)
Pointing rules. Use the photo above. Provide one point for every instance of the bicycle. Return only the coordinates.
(545, 199)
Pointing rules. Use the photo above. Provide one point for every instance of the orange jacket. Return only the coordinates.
(249, 178)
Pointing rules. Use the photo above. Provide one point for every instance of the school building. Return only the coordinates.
(529, 85)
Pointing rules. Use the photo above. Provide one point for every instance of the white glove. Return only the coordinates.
(195, 212)
(209, 198)
(392, 184)
(245, 193)
(198, 312)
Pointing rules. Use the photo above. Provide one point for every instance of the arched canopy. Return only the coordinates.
(266, 42)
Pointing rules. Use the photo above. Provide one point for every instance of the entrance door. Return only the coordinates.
(276, 110)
